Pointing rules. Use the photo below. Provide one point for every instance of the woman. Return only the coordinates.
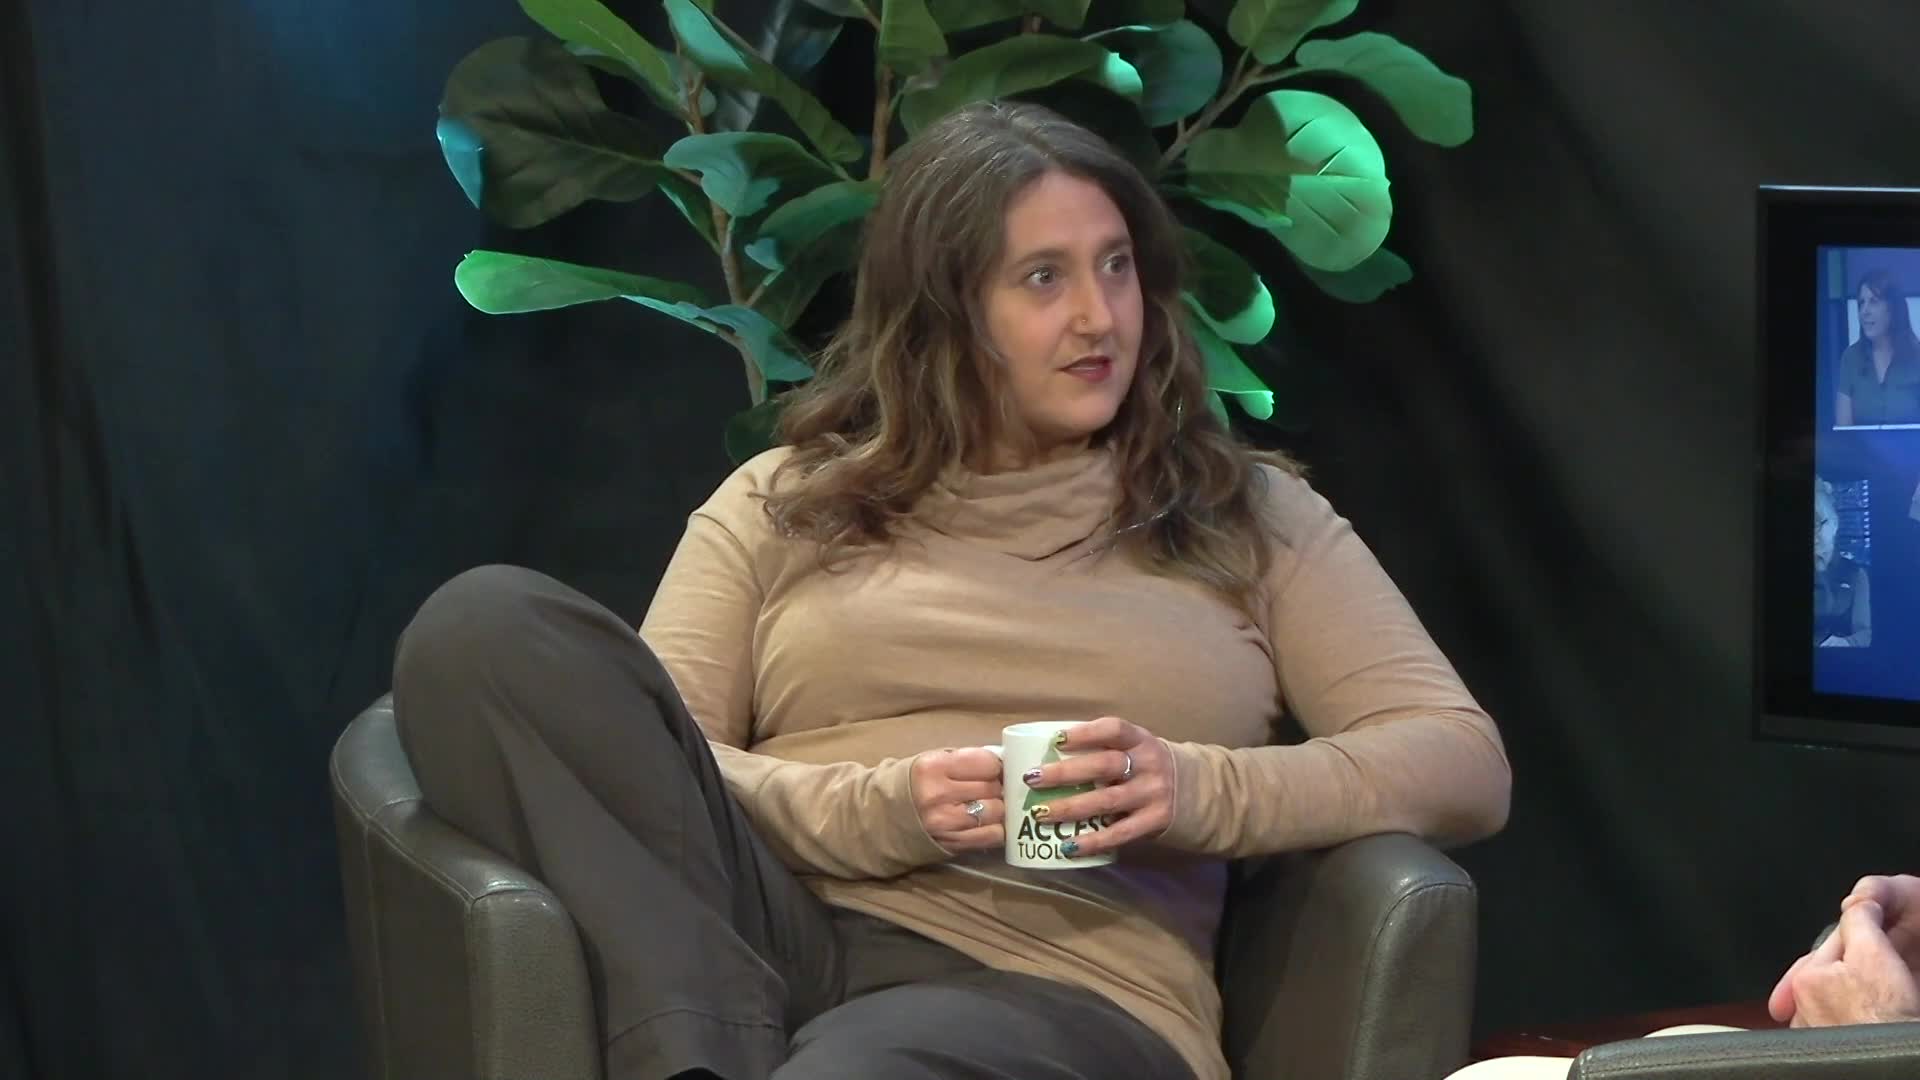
(1842, 600)
(1004, 498)
(1880, 371)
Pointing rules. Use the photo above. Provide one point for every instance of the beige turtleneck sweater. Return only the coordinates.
(817, 689)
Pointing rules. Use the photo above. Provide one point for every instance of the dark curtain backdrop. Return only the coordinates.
(249, 425)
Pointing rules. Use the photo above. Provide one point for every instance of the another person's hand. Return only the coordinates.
(1899, 899)
(1856, 976)
(947, 782)
(1136, 770)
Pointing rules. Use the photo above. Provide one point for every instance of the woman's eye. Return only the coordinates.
(1119, 264)
(1041, 276)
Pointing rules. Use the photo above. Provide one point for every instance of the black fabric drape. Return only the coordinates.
(249, 425)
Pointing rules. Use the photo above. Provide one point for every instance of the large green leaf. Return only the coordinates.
(1306, 156)
(1271, 28)
(500, 283)
(804, 36)
(1273, 221)
(955, 15)
(741, 69)
(1228, 374)
(546, 141)
(807, 241)
(1365, 283)
(909, 38)
(600, 61)
(460, 145)
(687, 197)
(795, 37)
(1434, 105)
(589, 25)
(1018, 64)
(1228, 293)
(1179, 64)
(772, 350)
(741, 171)
(783, 238)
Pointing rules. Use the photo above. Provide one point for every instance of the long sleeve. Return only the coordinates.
(1396, 743)
(846, 820)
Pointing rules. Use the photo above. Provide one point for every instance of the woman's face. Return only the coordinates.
(1873, 314)
(1826, 526)
(1064, 310)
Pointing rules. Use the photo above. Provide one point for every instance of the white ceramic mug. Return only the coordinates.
(1036, 845)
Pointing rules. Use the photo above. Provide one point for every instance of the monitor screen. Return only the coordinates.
(1839, 606)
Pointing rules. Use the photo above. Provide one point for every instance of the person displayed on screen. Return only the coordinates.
(773, 813)
(1880, 371)
(1842, 604)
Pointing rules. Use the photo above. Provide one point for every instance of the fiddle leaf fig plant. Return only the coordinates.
(777, 186)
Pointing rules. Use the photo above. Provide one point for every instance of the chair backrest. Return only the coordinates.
(464, 965)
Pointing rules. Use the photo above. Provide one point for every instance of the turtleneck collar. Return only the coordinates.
(1030, 513)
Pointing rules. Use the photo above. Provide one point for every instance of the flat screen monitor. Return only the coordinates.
(1838, 604)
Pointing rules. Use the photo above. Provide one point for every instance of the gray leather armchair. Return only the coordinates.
(1862, 1052)
(1357, 962)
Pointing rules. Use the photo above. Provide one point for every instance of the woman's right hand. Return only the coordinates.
(945, 783)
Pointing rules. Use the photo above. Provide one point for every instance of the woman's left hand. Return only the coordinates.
(1135, 770)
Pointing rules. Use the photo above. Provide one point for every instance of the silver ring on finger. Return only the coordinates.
(1127, 773)
(976, 810)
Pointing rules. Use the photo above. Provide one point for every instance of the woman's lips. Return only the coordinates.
(1091, 368)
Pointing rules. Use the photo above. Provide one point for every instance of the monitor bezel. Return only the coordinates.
(1794, 223)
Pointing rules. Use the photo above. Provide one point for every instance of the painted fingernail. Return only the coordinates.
(1040, 812)
(1030, 777)
(1060, 739)
(1070, 848)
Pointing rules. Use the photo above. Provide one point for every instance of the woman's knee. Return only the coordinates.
(470, 627)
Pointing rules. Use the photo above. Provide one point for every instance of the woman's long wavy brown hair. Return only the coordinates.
(909, 388)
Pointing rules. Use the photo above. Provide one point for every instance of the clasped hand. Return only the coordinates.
(1139, 799)
(1864, 972)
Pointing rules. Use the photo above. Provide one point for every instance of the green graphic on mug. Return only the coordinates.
(1037, 796)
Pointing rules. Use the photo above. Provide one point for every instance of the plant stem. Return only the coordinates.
(1276, 76)
(756, 382)
(882, 123)
(1244, 78)
(723, 224)
(722, 221)
(729, 259)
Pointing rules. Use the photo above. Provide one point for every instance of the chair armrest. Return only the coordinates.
(1356, 962)
(465, 966)
(1862, 1052)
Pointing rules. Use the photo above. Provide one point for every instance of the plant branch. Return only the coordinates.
(729, 259)
(722, 221)
(1245, 77)
(882, 123)
(1276, 76)
(756, 382)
